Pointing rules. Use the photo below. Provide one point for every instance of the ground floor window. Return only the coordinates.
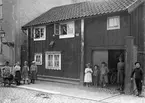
(38, 58)
(53, 60)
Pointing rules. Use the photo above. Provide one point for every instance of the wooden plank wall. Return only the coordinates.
(69, 48)
(97, 36)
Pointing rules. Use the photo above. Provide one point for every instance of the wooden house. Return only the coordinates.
(65, 38)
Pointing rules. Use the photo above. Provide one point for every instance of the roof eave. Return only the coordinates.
(134, 5)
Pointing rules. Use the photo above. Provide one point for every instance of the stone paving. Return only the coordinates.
(17, 95)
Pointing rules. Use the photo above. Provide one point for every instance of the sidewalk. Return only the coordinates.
(92, 93)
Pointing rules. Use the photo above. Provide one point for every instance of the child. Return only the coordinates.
(17, 72)
(7, 74)
(138, 77)
(96, 75)
(88, 75)
(33, 71)
(25, 72)
(104, 74)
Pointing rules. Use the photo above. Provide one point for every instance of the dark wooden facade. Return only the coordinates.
(97, 37)
(69, 48)
(137, 31)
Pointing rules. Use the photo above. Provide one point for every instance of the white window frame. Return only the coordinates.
(41, 38)
(113, 27)
(38, 54)
(68, 35)
(46, 60)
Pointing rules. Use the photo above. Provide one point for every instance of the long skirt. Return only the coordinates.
(9, 78)
(120, 76)
(25, 75)
(33, 75)
(96, 80)
(88, 78)
(18, 76)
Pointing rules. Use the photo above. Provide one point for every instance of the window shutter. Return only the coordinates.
(56, 29)
(70, 28)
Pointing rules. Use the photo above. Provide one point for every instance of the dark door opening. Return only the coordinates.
(113, 59)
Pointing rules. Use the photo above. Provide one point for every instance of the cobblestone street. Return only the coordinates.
(16, 95)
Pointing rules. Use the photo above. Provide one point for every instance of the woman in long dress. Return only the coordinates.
(104, 74)
(25, 72)
(17, 71)
(33, 71)
(88, 75)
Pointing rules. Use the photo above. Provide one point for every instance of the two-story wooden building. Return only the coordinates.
(65, 38)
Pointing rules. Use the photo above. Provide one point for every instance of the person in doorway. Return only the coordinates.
(104, 74)
(88, 75)
(138, 77)
(17, 72)
(120, 74)
(33, 72)
(96, 75)
(25, 72)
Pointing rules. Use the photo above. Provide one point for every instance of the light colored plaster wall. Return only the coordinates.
(9, 26)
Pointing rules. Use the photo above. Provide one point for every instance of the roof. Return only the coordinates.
(84, 9)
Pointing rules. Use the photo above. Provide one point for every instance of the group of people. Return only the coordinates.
(18, 74)
(97, 75)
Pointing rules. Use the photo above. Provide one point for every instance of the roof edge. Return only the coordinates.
(134, 5)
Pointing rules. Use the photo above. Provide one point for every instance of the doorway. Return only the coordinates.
(111, 57)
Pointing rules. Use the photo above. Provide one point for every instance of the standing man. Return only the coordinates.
(138, 77)
(121, 74)
(17, 71)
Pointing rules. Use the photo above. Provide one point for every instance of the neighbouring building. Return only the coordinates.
(65, 38)
(14, 14)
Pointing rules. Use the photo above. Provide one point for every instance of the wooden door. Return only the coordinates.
(100, 56)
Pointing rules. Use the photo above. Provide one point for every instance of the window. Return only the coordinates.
(53, 60)
(39, 33)
(65, 30)
(38, 58)
(113, 23)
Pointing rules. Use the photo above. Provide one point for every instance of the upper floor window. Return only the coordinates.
(65, 30)
(39, 33)
(113, 23)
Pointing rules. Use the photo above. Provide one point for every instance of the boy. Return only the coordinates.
(138, 77)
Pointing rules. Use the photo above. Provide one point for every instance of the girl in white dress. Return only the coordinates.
(88, 75)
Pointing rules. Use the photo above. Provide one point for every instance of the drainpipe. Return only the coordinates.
(82, 52)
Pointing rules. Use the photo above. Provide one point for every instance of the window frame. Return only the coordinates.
(38, 54)
(41, 38)
(113, 27)
(68, 35)
(46, 60)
